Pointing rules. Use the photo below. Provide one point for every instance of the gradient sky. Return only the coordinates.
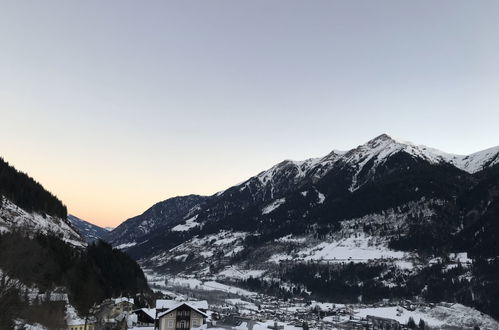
(116, 105)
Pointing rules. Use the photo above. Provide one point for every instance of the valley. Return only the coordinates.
(388, 229)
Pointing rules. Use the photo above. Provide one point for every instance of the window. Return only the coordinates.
(194, 322)
(170, 323)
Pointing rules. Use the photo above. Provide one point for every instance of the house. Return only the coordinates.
(145, 316)
(81, 326)
(114, 313)
(74, 322)
(381, 323)
(165, 304)
(173, 315)
(123, 304)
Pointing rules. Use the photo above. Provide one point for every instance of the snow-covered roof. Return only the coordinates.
(169, 303)
(72, 317)
(123, 299)
(151, 312)
(186, 303)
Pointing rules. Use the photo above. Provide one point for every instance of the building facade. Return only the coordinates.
(180, 317)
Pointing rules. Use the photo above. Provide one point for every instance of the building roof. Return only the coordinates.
(123, 299)
(169, 303)
(151, 312)
(181, 303)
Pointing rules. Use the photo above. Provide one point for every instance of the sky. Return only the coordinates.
(116, 105)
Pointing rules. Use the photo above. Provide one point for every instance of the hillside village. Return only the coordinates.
(261, 312)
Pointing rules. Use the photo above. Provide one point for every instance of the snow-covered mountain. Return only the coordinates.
(26, 206)
(13, 217)
(338, 173)
(386, 206)
(167, 213)
(87, 230)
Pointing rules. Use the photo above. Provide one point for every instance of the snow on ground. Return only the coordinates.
(321, 198)
(242, 304)
(442, 314)
(477, 161)
(20, 324)
(227, 242)
(193, 283)
(273, 206)
(261, 326)
(291, 239)
(237, 273)
(125, 245)
(265, 325)
(352, 248)
(355, 248)
(461, 257)
(404, 264)
(189, 224)
(12, 216)
(72, 317)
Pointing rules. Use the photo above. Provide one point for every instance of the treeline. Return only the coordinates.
(28, 194)
(89, 275)
(475, 285)
(348, 283)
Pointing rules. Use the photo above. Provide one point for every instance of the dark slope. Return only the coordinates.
(163, 214)
(87, 230)
(28, 194)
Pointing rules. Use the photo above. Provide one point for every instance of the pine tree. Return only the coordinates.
(411, 324)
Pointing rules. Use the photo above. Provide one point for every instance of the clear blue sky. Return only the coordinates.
(114, 105)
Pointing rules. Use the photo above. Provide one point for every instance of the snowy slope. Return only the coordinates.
(383, 146)
(169, 212)
(14, 217)
(87, 230)
(268, 189)
(376, 152)
(289, 173)
(477, 161)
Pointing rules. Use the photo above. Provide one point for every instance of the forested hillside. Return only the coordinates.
(28, 194)
(47, 262)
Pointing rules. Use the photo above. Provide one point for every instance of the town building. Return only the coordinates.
(145, 316)
(177, 315)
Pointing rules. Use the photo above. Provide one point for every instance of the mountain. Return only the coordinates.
(41, 251)
(25, 192)
(338, 186)
(399, 213)
(87, 230)
(25, 205)
(163, 214)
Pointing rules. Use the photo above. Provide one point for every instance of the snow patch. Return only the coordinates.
(273, 206)
(189, 224)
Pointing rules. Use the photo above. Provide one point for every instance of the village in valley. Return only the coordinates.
(225, 307)
(249, 165)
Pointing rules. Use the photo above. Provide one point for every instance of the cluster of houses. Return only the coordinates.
(120, 314)
(170, 314)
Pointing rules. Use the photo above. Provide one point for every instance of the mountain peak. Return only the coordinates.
(383, 137)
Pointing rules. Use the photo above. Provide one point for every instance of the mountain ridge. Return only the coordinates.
(289, 174)
(87, 230)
